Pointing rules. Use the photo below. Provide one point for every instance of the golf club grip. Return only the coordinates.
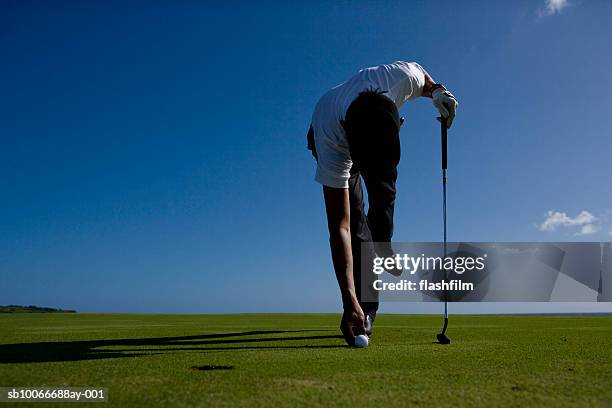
(444, 141)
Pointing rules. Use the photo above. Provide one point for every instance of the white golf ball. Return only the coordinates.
(361, 341)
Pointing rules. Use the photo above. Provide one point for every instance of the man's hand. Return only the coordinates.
(446, 103)
(352, 323)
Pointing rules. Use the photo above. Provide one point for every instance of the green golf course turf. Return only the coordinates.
(299, 359)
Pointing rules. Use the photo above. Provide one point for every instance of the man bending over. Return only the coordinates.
(355, 134)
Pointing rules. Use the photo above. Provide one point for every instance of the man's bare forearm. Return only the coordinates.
(342, 257)
(428, 87)
(338, 222)
(337, 206)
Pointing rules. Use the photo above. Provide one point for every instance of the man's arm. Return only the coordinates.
(428, 87)
(311, 143)
(444, 101)
(338, 222)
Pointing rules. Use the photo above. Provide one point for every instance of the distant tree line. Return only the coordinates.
(32, 309)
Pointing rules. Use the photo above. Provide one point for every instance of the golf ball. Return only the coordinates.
(361, 341)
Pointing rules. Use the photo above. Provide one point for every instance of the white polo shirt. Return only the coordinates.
(401, 82)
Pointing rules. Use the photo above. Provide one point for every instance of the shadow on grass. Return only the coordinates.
(89, 349)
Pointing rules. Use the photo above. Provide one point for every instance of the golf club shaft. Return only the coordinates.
(444, 130)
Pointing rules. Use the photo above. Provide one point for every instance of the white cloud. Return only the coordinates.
(556, 219)
(584, 223)
(552, 7)
(588, 229)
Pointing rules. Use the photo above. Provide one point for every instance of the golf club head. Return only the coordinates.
(443, 338)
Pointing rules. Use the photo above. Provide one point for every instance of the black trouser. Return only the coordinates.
(377, 223)
(372, 126)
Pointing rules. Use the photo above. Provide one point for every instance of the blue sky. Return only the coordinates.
(153, 156)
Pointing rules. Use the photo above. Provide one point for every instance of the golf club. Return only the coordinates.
(442, 337)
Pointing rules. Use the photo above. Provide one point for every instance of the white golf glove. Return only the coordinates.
(446, 103)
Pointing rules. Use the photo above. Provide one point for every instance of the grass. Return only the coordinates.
(290, 359)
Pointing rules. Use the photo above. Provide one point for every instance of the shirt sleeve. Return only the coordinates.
(333, 157)
(418, 78)
(411, 85)
(333, 165)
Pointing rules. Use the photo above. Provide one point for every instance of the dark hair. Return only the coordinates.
(371, 91)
